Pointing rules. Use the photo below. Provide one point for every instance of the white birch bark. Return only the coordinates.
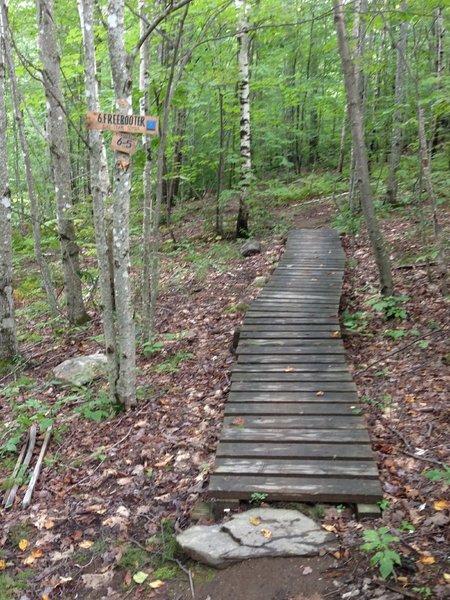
(148, 208)
(34, 203)
(242, 9)
(59, 149)
(396, 140)
(360, 153)
(8, 340)
(100, 187)
(126, 337)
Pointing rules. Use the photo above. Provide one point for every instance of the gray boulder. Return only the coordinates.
(259, 532)
(81, 370)
(251, 247)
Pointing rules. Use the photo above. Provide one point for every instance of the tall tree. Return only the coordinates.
(360, 153)
(8, 341)
(396, 141)
(99, 179)
(61, 166)
(242, 9)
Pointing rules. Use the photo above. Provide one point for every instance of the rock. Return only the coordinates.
(253, 534)
(251, 247)
(259, 282)
(81, 370)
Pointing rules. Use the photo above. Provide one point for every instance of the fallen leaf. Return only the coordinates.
(447, 577)
(330, 528)
(49, 524)
(124, 481)
(441, 505)
(45, 597)
(402, 580)
(140, 577)
(165, 461)
(2, 565)
(289, 370)
(37, 553)
(86, 544)
(320, 393)
(127, 579)
(336, 334)
(255, 521)
(238, 421)
(156, 584)
(307, 571)
(97, 508)
(23, 544)
(427, 560)
(29, 560)
(266, 533)
(96, 581)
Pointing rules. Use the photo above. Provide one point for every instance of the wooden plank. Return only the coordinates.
(334, 344)
(341, 436)
(275, 422)
(308, 489)
(294, 386)
(345, 469)
(248, 334)
(303, 328)
(290, 359)
(283, 376)
(305, 350)
(295, 368)
(295, 450)
(290, 408)
(289, 396)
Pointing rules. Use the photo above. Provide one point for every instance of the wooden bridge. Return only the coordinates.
(292, 427)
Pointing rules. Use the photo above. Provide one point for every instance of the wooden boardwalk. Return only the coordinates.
(292, 427)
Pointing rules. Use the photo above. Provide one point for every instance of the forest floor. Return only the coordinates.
(115, 487)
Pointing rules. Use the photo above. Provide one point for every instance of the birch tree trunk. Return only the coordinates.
(100, 189)
(242, 9)
(148, 207)
(8, 340)
(396, 141)
(34, 204)
(360, 152)
(126, 339)
(59, 149)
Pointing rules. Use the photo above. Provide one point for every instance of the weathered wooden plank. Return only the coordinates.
(289, 396)
(341, 436)
(282, 376)
(295, 368)
(305, 350)
(310, 489)
(295, 450)
(276, 422)
(294, 386)
(343, 469)
(302, 329)
(289, 408)
(329, 342)
(290, 359)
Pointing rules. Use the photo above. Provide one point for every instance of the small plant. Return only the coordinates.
(149, 348)
(356, 321)
(383, 504)
(439, 474)
(391, 306)
(165, 573)
(395, 334)
(426, 592)
(171, 365)
(378, 542)
(406, 526)
(96, 408)
(258, 497)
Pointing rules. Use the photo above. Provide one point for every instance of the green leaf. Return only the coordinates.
(140, 577)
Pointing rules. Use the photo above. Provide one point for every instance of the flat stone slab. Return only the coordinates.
(256, 533)
(82, 369)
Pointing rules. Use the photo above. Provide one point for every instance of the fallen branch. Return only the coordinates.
(18, 464)
(31, 444)
(37, 469)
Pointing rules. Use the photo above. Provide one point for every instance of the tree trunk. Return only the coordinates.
(8, 340)
(360, 153)
(59, 149)
(122, 82)
(244, 100)
(396, 142)
(437, 229)
(100, 190)
(34, 204)
(220, 168)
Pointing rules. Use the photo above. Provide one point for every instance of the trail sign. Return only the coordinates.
(122, 123)
(124, 142)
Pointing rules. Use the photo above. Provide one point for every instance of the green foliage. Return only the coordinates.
(406, 526)
(355, 321)
(12, 585)
(439, 474)
(378, 543)
(133, 558)
(151, 348)
(96, 405)
(424, 591)
(171, 364)
(347, 221)
(165, 573)
(258, 497)
(391, 306)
